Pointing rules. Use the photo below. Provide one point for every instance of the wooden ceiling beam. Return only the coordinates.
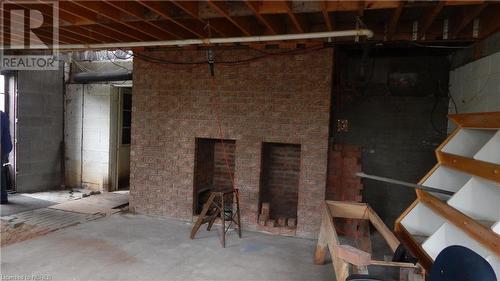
(297, 22)
(471, 14)
(191, 8)
(43, 33)
(393, 23)
(221, 8)
(429, 18)
(102, 9)
(115, 35)
(489, 22)
(254, 7)
(65, 37)
(361, 8)
(326, 16)
(133, 9)
(158, 8)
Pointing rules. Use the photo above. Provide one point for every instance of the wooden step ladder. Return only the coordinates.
(217, 207)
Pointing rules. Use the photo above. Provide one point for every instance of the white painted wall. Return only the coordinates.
(475, 86)
(87, 135)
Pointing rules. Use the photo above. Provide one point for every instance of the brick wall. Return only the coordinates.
(221, 177)
(280, 99)
(280, 179)
(342, 184)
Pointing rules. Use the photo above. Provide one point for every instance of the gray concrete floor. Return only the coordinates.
(139, 247)
(20, 203)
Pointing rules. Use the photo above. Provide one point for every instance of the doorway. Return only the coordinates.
(121, 138)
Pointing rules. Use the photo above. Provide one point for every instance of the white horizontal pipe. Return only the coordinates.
(267, 38)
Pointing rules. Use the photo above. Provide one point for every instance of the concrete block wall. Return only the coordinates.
(281, 99)
(475, 87)
(88, 115)
(39, 130)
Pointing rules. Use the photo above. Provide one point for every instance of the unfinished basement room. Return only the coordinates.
(250, 140)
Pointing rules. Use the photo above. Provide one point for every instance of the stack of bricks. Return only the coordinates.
(344, 162)
(283, 226)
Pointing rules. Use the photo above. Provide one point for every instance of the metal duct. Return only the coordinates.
(87, 77)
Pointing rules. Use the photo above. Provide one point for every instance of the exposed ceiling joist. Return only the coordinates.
(326, 15)
(134, 10)
(65, 36)
(85, 17)
(429, 17)
(221, 8)
(393, 23)
(469, 17)
(489, 21)
(160, 9)
(102, 9)
(296, 20)
(110, 21)
(254, 6)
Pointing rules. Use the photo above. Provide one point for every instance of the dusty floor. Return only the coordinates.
(138, 247)
(21, 203)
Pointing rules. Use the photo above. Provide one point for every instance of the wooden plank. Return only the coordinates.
(353, 255)
(346, 209)
(482, 120)
(377, 222)
(475, 167)
(474, 229)
(394, 264)
(331, 239)
(413, 246)
(440, 147)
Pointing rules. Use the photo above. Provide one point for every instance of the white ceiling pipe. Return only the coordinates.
(207, 41)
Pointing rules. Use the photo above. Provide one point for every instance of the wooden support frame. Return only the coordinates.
(347, 259)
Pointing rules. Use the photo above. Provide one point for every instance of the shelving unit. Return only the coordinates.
(469, 165)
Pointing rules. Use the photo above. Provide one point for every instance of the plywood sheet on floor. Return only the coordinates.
(105, 203)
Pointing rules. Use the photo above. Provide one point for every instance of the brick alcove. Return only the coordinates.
(210, 169)
(279, 184)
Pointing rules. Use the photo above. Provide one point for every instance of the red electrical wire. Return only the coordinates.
(217, 110)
